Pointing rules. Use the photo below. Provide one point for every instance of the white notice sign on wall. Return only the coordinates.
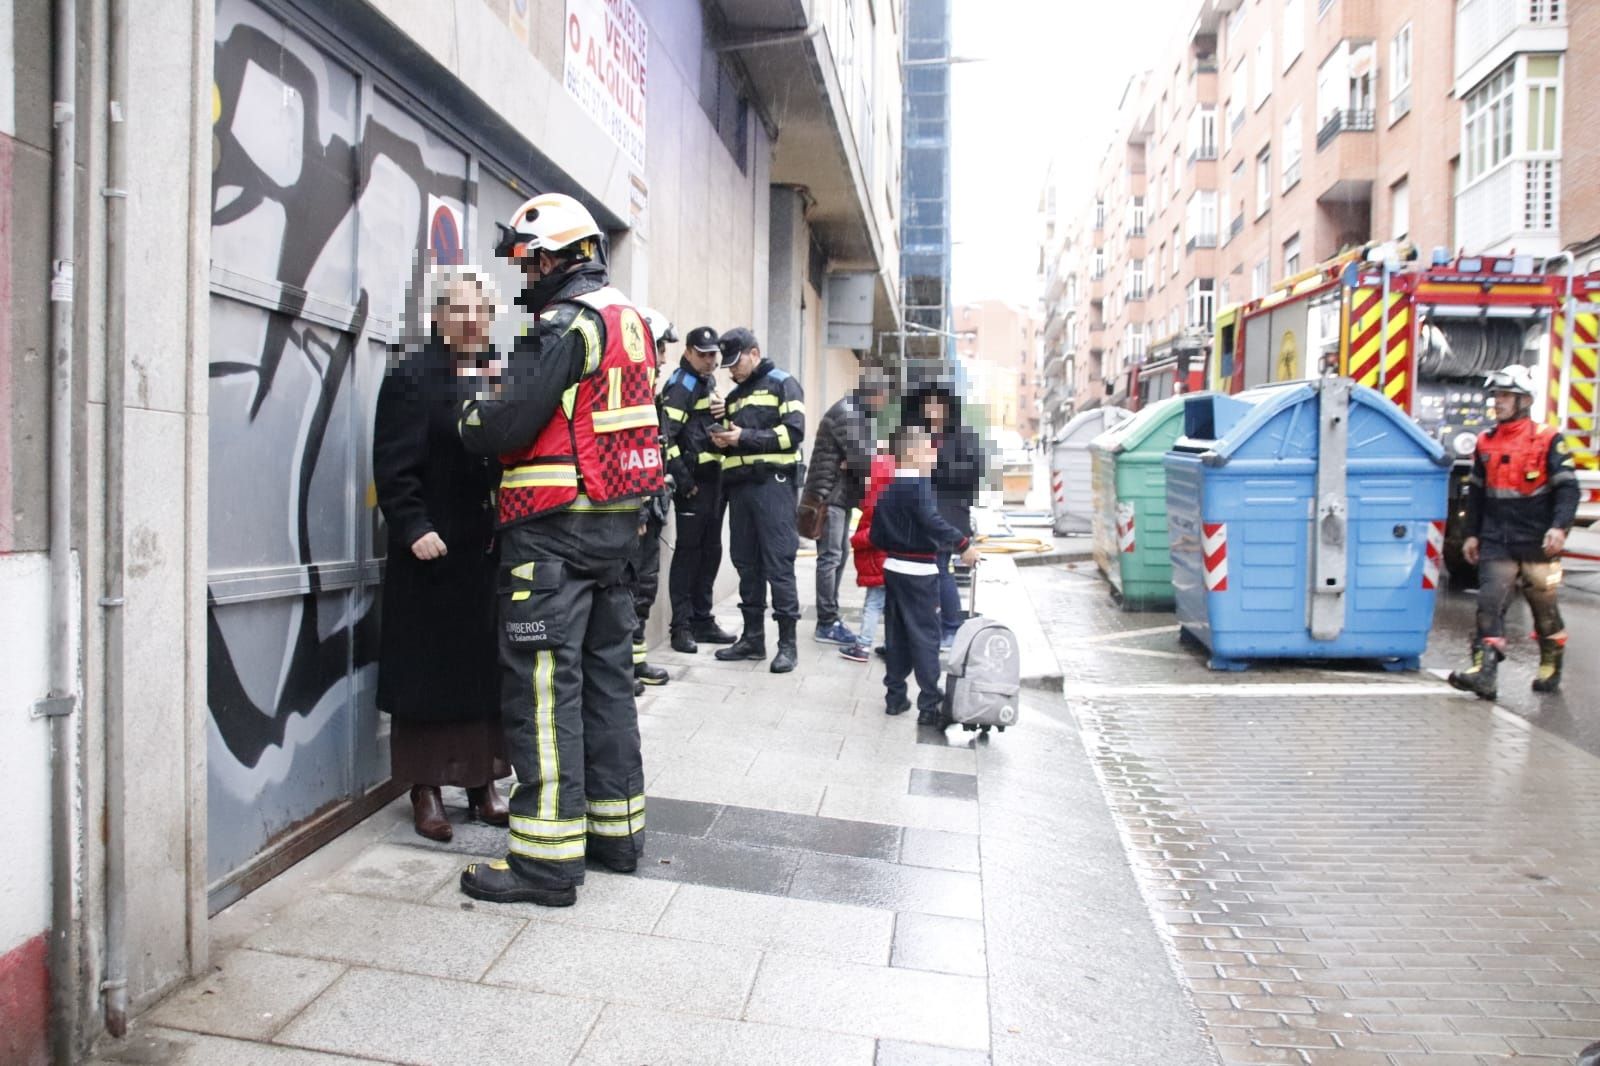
(607, 44)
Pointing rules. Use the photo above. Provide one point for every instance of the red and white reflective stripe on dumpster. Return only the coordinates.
(1125, 541)
(1055, 488)
(1214, 548)
(1430, 561)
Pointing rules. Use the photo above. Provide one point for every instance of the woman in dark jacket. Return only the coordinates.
(438, 677)
(956, 477)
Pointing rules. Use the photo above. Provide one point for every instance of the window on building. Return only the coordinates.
(1139, 341)
(1100, 214)
(1235, 20)
(1099, 263)
(1488, 112)
(1259, 279)
(1400, 209)
(1201, 219)
(1544, 106)
(1262, 85)
(1293, 140)
(1344, 89)
(1294, 31)
(1177, 257)
(1202, 303)
(1263, 180)
(1136, 279)
(1291, 256)
(1400, 74)
(1203, 133)
(1236, 193)
(1225, 293)
(1136, 226)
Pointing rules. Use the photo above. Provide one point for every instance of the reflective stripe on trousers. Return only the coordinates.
(571, 729)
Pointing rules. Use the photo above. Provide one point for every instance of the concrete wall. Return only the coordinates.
(25, 878)
(25, 767)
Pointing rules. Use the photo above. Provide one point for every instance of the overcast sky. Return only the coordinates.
(1054, 74)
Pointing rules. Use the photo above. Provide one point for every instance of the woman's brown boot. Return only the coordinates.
(485, 804)
(427, 813)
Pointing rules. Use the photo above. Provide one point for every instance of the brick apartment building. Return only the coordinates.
(1275, 133)
(998, 344)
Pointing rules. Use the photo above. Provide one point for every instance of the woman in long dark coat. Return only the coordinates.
(438, 676)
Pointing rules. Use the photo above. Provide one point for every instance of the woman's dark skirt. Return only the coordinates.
(465, 754)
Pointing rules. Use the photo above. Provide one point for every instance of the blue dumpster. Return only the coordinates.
(1307, 521)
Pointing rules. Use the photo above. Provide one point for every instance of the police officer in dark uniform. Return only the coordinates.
(765, 423)
(1522, 498)
(574, 423)
(696, 471)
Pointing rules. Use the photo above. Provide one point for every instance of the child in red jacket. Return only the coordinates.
(869, 561)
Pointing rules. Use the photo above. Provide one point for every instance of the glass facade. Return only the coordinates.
(925, 220)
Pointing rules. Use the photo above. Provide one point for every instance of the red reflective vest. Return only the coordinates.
(1514, 457)
(601, 450)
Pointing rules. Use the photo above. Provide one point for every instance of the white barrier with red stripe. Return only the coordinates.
(1435, 555)
(1214, 550)
(1125, 539)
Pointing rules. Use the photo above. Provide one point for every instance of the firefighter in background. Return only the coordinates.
(764, 423)
(646, 566)
(1521, 500)
(574, 423)
(695, 468)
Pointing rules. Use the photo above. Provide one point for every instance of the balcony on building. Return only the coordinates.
(1516, 206)
(1489, 32)
(1201, 241)
(1345, 121)
(806, 66)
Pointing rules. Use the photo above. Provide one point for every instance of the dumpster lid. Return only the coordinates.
(1109, 416)
(1133, 432)
(1237, 418)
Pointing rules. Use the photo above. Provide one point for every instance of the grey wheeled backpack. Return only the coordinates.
(983, 679)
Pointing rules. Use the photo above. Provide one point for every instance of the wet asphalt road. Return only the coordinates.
(1573, 714)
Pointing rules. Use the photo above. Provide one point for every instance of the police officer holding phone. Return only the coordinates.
(763, 422)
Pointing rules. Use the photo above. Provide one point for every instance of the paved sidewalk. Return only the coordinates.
(1357, 868)
(823, 884)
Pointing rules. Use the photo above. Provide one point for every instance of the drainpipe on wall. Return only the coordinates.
(61, 703)
(115, 984)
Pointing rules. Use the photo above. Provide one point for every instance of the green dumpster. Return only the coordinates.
(1130, 505)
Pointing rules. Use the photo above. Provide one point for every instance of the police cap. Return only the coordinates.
(703, 339)
(735, 343)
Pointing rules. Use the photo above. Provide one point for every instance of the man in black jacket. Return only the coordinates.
(760, 448)
(956, 477)
(840, 460)
(696, 470)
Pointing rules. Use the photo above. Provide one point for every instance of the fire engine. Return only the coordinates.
(1425, 336)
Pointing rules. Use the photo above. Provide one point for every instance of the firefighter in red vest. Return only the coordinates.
(1521, 500)
(574, 424)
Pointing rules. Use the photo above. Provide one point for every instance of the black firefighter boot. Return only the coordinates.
(642, 670)
(1551, 650)
(788, 653)
(751, 645)
(1482, 677)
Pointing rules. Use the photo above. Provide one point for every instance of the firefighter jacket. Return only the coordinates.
(770, 410)
(573, 421)
(1522, 484)
(686, 427)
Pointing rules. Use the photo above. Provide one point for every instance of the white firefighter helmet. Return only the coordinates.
(1517, 379)
(549, 222)
(660, 325)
